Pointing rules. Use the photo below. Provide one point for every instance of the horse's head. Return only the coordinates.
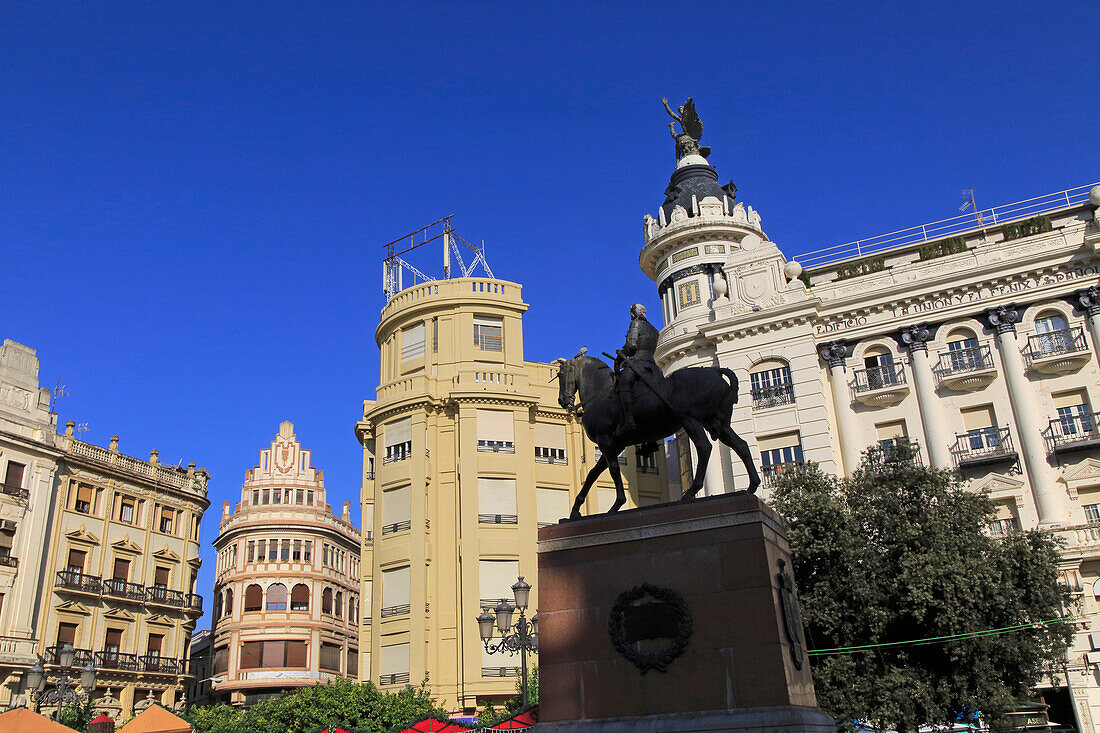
(568, 371)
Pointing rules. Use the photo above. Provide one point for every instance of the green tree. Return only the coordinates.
(77, 715)
(898, 552)
(342, 703)
(490, 715)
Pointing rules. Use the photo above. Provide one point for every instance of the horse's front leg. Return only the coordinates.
(616, 476)
(588, 481)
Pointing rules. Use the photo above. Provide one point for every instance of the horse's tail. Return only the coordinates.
(725, 407)
(731, 397)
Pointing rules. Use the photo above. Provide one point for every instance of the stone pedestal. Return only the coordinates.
(696, 588)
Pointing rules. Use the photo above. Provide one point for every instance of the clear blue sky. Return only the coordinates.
(195, 194)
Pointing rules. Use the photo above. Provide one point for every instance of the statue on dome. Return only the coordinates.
(691, 129)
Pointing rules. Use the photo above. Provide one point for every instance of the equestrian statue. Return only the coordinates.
(635, 404)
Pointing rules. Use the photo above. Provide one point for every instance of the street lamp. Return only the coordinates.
(526, 633)
(63, 691)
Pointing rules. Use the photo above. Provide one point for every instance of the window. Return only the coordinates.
(338, 604)
(488, 334)
(255, 497)
(962, 347)
(353, 662)
(412, 342)
(1001, 527)
(253, 598)
(326, 601)
(13, 478)
(394, 664)
(167, 518)
(251, 654)
(881, 371)
(395, 591)
(307, 553)
(771, 384)
(299, 497)
(221, 660)
(160, 577)
(276, 597)
(398, 436)
(126, 510)
(112, 641)
(83, 503)
(261, 550)
(277, 496)
(1074, 415)
(296, 654)
(155, 645)
(495, 431)
(228, 607)
(296, 553)
(396, 510)
(551, 505)
(76, 562)
(646, 462)
(66, 634)
(435, 335)
(284, 550)
(550, 439)
(299, 597)
(982, 434)
(890, 434)
(495, 579)
(780, 453)
(1054, 335)
(250, 553)
(1092, 513)
(330, 656)
(121, 571)
(6, 539)
(496, 501)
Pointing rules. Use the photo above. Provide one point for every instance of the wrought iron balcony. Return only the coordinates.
(396, 527)
(1073, 433)
(966, 369)
(78, 582)
(399, 678)
(83, 656)
(768, 474)
(117, 660)
(983, 447)
(772, 396)
(163, 596)
(1057, 352)
(161, 665)
(881, 385)
(388, 611)
(125, 590)
(497, 519)
(17, 492)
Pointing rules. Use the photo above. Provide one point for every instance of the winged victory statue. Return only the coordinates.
(691, 129)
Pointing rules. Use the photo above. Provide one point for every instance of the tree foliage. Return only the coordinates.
(490, 715)
(77, 715)
(342, 703)
(898, 552)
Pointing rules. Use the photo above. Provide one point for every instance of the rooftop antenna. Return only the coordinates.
(58, 393)
(394, 263)
(968, 203)
(82, 427)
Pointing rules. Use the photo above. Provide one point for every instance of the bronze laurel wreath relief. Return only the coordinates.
(665, 617)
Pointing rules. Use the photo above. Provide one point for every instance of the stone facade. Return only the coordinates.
(465, 454)
(983, 347)
(99, 549)
(286, 588)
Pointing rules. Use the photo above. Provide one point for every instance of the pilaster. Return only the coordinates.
(834, 354)
(916, 339)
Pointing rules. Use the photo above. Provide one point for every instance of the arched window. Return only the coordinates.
(771, 384)
(963, 350)
(218, 605)
(253, 598)
(276, 597)
(228, 602)
(880, 368)
(1052, 333)
(299, 598)
(326, 601)
(339, 604)
(353, 611)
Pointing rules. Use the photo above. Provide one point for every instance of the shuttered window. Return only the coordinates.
(495, 579)
(253, 598)
(396, 509)
(221, 660)
(299, 598)
(495, 431)
(122, 569)
(550, 443)
(83, 503)
(276, 597)
(76, 561)
(551, 505)
(976, 418)
(66, 634)
(398, 436)
(13, 478)
(353, 662)
(496, 501)
(394, 663)
(412, 342)
(488, 334)
(112, 641)
(251, 653)
(395, 591)
(296, 654)
(330, 656)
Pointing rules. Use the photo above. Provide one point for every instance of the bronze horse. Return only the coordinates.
(699, 400)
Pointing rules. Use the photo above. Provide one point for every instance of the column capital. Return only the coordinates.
(1003, 318)
(834, 352)
(916, 337)
(1089, 299)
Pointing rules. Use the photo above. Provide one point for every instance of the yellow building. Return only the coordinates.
(286, 585)
(465, 454)
(99, 550)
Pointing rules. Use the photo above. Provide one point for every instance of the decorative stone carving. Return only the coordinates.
(1003, 318)
(915, 337)
(1089, 298)
(834, 352)
(665, 616)
(679, 213)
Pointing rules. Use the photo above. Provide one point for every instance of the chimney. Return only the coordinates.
(347, 512)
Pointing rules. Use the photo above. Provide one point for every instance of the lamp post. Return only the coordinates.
(524, 636)
(63, 691)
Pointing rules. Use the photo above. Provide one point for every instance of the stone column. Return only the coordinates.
(936, 436)
(1089, 299)
(834, 353)
(1049, 503)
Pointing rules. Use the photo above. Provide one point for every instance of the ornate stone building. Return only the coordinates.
(465, 454)
(286, 588)
(97, 549)
(978, 337)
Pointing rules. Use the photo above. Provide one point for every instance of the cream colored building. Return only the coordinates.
(101, 551)
(465, 454)
(286, 587)
(980, 340)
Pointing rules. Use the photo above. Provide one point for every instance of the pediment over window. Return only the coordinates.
(160, 620)
(166, 554)
(119, 614)
(1083, 475)
(1001, 486)
(82, 536)
(195, 562)
(75, 607)
(127, 545)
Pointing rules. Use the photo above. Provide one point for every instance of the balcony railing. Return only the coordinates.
(497, 519)
(496, 446)
(553, 456)
(768, 474)
(71, 580)
(772, 396)
(161, 665)
(83, 656)
(9, 561)
(396, 527)
(1055, 343)
(880, 377)
(75, 580)
(983, 447)
(118, 660)
(964, 361)
(500, 672)
(15, 491)
(398, 678)
(388, 611)
(1076, 432)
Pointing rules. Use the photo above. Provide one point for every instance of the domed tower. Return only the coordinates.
(722, 282)
(286, 587)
